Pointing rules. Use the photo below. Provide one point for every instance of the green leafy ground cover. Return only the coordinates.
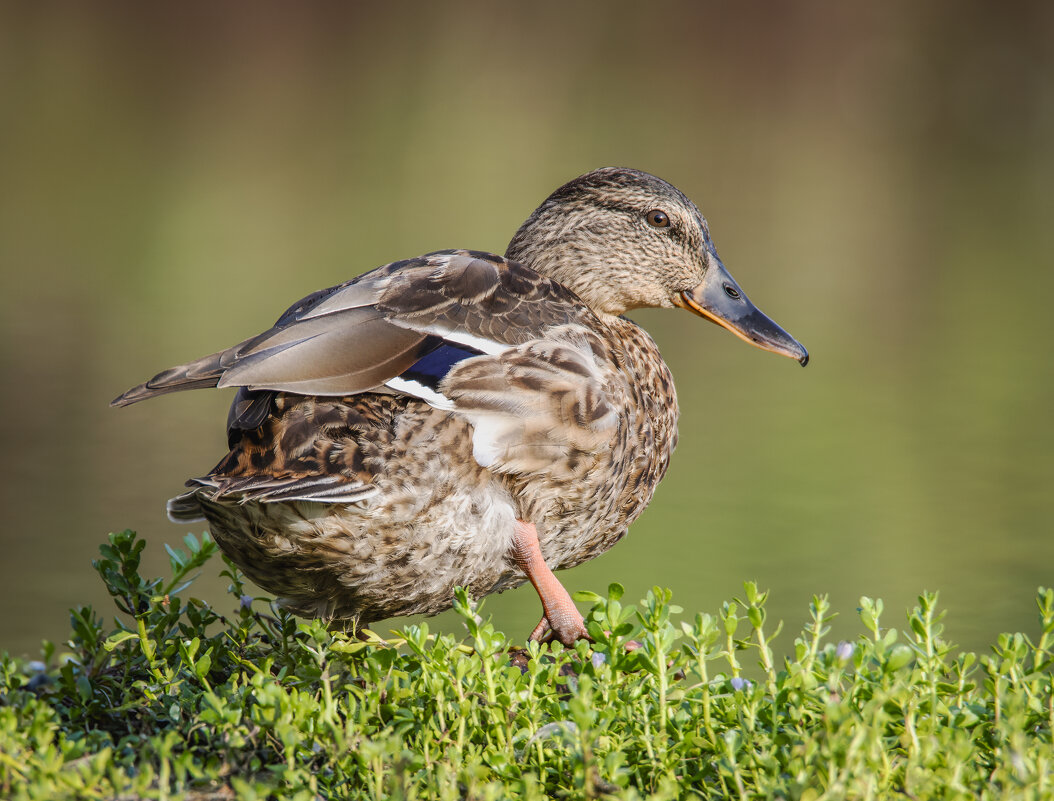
(176, 700)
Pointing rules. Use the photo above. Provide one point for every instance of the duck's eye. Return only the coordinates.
(658, 218)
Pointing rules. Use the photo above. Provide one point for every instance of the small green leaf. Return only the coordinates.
(117, 638)
(899, 656)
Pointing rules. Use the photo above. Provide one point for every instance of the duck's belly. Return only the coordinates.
(371, 561)
(359, 561)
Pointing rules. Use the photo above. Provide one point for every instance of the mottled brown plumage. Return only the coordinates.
(388, 433)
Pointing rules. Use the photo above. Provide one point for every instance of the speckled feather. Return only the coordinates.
(352, 490)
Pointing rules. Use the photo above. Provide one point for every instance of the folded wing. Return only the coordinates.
(515, 353)
(365, 334)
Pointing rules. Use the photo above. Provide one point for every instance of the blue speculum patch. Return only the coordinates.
(432, 368)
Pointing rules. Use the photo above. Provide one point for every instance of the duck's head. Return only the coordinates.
(623, 239)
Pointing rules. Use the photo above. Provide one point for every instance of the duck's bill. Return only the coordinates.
(720, 300)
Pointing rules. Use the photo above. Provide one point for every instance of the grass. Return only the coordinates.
(176, 700)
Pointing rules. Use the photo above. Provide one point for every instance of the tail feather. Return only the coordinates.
(185, 508)
(199, 374)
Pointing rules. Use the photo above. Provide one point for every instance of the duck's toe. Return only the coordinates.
(567, 626)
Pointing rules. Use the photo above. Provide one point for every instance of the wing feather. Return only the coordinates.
(357, 336)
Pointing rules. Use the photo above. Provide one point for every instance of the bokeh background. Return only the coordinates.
(877, 176)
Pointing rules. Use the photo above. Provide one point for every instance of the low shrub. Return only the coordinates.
(181, 701)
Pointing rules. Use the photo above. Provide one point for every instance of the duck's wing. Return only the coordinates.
(515, 353)
(397, 328)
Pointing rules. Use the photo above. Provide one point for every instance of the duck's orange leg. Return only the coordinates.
(561, 619)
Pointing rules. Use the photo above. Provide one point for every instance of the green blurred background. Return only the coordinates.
(878, 177)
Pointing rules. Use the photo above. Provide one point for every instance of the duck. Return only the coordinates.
(463, 419)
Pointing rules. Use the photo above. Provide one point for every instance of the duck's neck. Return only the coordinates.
(592, 270)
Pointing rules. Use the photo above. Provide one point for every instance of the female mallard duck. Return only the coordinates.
(462, 418)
